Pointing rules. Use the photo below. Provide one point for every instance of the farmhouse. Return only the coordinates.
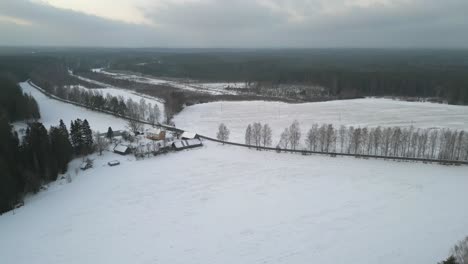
(155, 134)
(122, 149)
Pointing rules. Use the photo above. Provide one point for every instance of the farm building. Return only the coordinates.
(186, 144)
(155, 134)
(122, 149)
(189, 135)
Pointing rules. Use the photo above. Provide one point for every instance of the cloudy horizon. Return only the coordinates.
(235, 24)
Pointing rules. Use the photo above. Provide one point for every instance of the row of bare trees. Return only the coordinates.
(258, 135)
(409, 142)
(140, 110)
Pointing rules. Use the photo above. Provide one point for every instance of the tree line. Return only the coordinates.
(343, 73)
(408, 142)
(39, 157)
(140, 110)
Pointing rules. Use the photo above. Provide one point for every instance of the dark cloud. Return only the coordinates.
(244, 23)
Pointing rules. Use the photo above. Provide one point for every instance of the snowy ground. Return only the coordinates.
(215, 88)
(223, 204)
(205, 118)
(52, 111)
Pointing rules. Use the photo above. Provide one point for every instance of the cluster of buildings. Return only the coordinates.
(154, 141)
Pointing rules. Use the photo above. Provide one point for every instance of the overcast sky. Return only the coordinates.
(235, 23)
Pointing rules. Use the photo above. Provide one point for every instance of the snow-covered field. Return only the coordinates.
(52, 111)
(205, 118)
(215, 88)
(223, 204)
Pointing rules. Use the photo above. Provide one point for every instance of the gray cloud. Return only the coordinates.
(244, 23)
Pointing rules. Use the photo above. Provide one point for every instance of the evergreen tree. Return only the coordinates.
(37, 152)
(63, 129)
(110, 133)
(11, 183)
(449, 260)
(76, 135)
(87, 135)
(14, 104)
(61, 148)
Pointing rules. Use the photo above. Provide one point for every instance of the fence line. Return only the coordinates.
(304, 152)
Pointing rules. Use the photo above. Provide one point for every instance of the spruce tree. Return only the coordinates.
(11, 181)
(38, 155)
(77, 135)
(61, 147)
(63, 129)
(87, 136)
(110, 133)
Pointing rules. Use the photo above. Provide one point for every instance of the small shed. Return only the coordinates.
(122, 149)
(188, 135)
(113, 163)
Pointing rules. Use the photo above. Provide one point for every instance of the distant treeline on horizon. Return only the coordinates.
(345, 73)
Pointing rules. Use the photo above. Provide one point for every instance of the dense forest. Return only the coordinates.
(39, 157)
(344, 73)
(14, 104)
(438, 75)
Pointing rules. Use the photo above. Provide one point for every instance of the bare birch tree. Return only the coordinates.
(285, 138)
(248, 135)
(294, 134)
(342, 135)
(257, 134)
(100, 142)
(266, 135)
(223, 132)
(311, 138)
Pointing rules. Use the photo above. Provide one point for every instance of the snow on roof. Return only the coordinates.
(153, 130)
(193, 142)
(187, 134)
(179, 144)
(120, 148)
(187, 143)
(114, 162)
